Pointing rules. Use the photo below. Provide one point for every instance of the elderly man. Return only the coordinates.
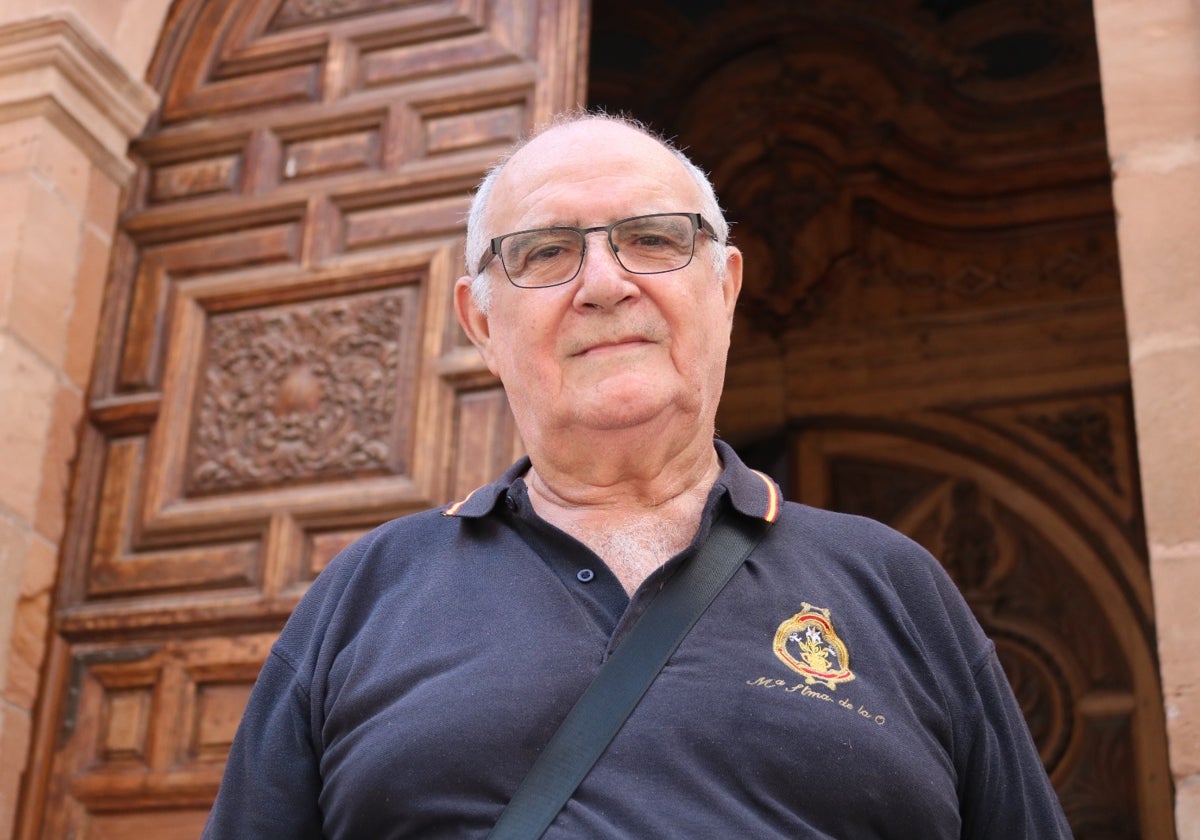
(837, 686)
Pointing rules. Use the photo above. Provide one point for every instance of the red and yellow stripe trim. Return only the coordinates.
(772, 497)
(454, 508)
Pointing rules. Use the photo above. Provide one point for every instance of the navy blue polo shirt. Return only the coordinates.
(838, 687)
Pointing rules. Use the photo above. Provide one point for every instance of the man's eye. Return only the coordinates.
(652, 243)
(650, 236)
(525, 254)
(545, 253)
(651, 240)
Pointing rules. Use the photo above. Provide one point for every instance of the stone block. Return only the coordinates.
(85, 315)
(103, 19)
(1150, 71)
(65, 166)
(43, 291)
(41, 569)
(103, 204)
(1187, 808)
(1176, 579)
(15, 189)
(19, 144)
(19, 9)
(14, 548)
(29, 386)
(138, 31)
(15, 732)
(1157, 215)
(62, 440)
(1166, 394)
(31, 621)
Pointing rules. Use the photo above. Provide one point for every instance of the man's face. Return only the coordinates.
(609, 350)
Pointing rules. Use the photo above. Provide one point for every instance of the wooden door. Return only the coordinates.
(279, 368)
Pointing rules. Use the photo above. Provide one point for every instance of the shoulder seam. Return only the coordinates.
(291, 666)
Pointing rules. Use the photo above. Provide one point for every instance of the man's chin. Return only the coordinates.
(630, 412)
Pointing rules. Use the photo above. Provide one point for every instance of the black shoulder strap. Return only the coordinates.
(621, 681)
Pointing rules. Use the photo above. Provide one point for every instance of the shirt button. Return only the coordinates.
(511, 502)
(585, 575)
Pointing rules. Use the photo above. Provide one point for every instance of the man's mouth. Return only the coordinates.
(615, 346)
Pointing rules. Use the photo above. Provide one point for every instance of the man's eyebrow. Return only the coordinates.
(552, 222)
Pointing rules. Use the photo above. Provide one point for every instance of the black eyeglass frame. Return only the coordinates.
(699, 224)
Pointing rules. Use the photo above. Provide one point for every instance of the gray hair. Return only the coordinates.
(478, 240)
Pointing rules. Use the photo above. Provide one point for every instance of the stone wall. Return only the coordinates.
(1150, 66)
(71, 98)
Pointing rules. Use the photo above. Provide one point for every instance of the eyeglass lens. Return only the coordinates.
(643, 245)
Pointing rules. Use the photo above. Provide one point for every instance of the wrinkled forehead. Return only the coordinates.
(591, 162)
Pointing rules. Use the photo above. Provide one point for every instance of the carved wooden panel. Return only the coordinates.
(279, 368)
(150, 723)
(300, 393)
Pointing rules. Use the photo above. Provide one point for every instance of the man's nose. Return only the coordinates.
(603, 281)
(599, 249)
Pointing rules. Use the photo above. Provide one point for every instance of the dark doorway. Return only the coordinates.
(931, 330)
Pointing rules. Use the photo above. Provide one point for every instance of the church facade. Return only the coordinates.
(227, 243)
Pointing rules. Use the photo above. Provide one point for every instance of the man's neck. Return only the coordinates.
(631, 510)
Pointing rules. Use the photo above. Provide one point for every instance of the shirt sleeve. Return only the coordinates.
(272, 782)
(1004, 790)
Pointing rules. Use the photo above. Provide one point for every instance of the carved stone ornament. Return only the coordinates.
(301, 392)
(1087, 434)
(882, 161)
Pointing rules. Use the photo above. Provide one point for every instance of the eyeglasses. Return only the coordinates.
(654, 244)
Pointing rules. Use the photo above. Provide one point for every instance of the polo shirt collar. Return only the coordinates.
(751, 492)
(479, 502)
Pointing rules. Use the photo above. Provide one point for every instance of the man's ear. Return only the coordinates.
(474, 322)
(731, 284)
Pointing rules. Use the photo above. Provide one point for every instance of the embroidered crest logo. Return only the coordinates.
(808, 644)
